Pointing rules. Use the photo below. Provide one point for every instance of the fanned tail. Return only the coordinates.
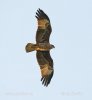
(30, 47)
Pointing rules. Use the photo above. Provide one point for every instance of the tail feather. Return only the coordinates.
(30, 47)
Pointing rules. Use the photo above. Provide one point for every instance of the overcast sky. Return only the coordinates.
(72, 36)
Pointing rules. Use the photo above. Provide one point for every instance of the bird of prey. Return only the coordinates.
(43, 47)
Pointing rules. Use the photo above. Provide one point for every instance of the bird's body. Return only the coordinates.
(43, 47)
(38, 47)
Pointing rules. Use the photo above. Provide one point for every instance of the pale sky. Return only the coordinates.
(71, 22)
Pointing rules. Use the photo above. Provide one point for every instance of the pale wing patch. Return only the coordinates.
(43, 23)
(46, 70)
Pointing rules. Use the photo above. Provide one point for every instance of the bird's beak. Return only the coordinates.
(53, 46)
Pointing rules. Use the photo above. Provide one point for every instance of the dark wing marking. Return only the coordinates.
(41, 15)
(46, 65)
(44, 27)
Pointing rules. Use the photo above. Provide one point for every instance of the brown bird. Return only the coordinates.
(43, 47)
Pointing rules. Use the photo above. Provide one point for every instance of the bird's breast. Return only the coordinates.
(43, 47)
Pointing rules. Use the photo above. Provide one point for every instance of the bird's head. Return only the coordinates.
(52, 46)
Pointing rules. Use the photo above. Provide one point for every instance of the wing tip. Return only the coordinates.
(41, 15)
(47, 79)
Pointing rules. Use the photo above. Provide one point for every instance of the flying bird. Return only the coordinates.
(43, 47)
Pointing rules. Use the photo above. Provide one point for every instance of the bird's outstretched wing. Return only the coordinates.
(44, 27)
(46, 66)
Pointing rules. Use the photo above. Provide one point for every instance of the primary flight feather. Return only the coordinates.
(43, 47)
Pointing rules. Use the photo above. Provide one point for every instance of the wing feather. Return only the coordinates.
(46, 65)
(44, 27)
